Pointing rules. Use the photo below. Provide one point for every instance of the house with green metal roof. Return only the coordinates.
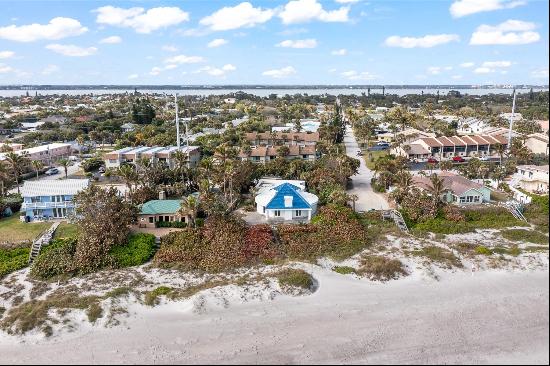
(155, 211)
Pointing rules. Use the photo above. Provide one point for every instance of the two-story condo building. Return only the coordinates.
(282, 138)
(445, 148)
(45, 153)
(532, 178)
(155, 154)
(50, 198)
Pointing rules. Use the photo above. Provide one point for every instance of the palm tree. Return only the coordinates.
(37, 165)
(4, 175)
(436, 189)
(129, 175)
(190, 207)
(353, 198)
(17, 164)
(500, 149)
(65, 164)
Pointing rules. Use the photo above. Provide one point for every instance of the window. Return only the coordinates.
(277, 213)
(298, 213)
(469, 199)
(476, 198)
(462, 199)
(151, 219)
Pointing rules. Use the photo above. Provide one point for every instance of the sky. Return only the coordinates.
(197, 42)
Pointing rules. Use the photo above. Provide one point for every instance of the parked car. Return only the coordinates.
(458, 159)
(383, 143)
(359, 153)
(484, 158)
(52, 171)
(432, 161)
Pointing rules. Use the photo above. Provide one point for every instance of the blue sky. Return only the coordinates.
(274, 42)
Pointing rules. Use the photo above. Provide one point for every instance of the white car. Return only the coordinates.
(484, 158)
(52, 171)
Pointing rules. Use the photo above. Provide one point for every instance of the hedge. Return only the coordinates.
(12, 260)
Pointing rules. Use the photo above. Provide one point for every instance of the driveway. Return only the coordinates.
(72, 169)
(368, 199)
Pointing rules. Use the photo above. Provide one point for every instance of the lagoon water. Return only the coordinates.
(264, 92)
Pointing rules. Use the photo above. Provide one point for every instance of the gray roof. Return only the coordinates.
(453, 182)
(68, 187)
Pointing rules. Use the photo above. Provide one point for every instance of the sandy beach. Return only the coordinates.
(488, 317)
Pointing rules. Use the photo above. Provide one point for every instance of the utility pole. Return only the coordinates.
(177, 122)
(511, 123)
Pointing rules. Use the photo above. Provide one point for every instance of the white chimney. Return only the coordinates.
(162, 195)
(288, 201)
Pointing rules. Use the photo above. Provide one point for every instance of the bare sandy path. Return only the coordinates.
(493, 317)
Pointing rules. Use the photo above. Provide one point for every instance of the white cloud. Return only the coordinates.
(217, 42)
(170, 66)
(71, 50)
(155, 71)
(169, 48)
(50, 69)
(183, 59)
(4, 69)
(299, 43)
(355, 75)
(510, 32)
(493, 66)
(111, 40)
(436, 70)
(430, 40)
(57, 28)
(456, 77)
(347, 1)
(243, 15)
(462, 8)
(340, 52)
(280, 73)
(302, 11)
(133, 76)
(467, 64)
(140, 20)
(214, 71)
(6, 54)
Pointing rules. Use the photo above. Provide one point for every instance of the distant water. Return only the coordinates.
(264, 92)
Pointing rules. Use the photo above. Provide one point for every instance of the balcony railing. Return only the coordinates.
(46, 205)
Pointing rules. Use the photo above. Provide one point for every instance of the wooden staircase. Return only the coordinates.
(44, 239)
(397, 218)
(515, 208)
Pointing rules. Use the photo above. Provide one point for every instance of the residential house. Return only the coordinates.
(155, 154)
(50, 198)
(471, 126)
(537, 143)
(128, 127)
(457, 189)
(515, 116)
(445, 148)
(62, 120)
(308, 125)
(532, 178)
(162, 210)
(282, 201)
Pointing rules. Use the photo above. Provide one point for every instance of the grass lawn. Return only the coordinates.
(371, 156)
(525, 235)
(13, 230)
(65, 230)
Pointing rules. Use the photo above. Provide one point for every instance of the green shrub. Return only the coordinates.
(513, 251)
(381, 268)
(94, 312)
(295, 278)
(91, 164)
(139, 249)
(55, 259)
(479, 218)
(12, 260)
(151, 297)
(525, 235)
(438, 254)
(199, 222)
(483, 250)
(176, 224)
(343, 270)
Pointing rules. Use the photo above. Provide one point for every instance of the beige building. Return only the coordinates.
(156, 154)
(532, 178)
(262, 154)
(537, 143)
(45, 153)
(445, 148)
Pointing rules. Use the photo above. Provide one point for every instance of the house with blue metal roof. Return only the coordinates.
(286, 202)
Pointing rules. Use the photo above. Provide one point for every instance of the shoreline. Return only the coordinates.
(462, 318)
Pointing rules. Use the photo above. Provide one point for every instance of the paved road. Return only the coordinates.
(361, 186)
(73, 169)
